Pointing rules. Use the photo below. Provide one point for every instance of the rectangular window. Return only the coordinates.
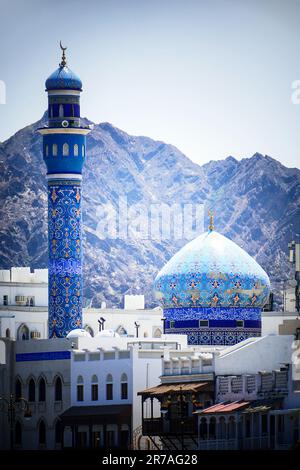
(172, 323)
(5, 300)
(240, 323)
(109, 391)
(94, 392)
(124, 391)
(203, 323)
(79, 392)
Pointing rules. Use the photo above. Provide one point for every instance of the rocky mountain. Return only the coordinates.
(256, 202)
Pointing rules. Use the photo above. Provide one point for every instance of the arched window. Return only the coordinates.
(42, 433)
(66, 150)
(31, 302)
(58, 432)
(80, 388)
(47, 150)
(76, 150)
(157, 333)
(146, 334)
(7, 333)
(31, 390)
(23, 332)
(72, 110)
(94, 388)
(42, 390)
(124, 387)
(83, 151)
(18, 389)
(18, 434)
(54, 150)
(61, 111)
(109, 387)
(58, 389)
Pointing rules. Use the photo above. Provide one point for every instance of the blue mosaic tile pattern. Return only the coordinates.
(222, 337)
(65, 257)
(218, 313)
(212, 278)
(212, 271)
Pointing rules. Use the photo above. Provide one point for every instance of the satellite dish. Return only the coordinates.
(65, 124)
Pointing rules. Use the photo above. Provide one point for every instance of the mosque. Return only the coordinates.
(212, 291)
(84, 391)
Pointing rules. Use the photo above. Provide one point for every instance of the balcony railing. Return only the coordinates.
(164, 426)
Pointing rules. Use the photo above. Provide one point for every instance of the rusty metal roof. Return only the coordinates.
(225, 407)
(164, 389)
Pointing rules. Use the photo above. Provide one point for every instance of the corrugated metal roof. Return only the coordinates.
(176, 387)
(225, 407)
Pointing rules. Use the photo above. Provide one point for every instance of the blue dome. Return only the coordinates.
(212, 271)
(63, 79)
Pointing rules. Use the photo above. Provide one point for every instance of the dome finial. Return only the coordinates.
(63, 59)
(211, 221)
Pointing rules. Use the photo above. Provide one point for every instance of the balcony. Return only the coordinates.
(163, 426)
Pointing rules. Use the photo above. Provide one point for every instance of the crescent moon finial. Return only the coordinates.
(63, 59)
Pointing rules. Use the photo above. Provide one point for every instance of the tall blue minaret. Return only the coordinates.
(64, 150)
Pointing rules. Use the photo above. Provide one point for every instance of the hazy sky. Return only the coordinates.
(212, 77)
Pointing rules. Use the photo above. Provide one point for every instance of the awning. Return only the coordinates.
(106, 414)
(225, 407)
(166, 389)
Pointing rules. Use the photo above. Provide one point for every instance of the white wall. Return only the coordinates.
(266, 353)
(271, 321)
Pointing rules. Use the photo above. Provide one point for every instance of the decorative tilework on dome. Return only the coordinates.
(63, 78)
(212, 271)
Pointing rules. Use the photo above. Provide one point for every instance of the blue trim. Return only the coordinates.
(212, 324)
(212, 313)
(43, 356)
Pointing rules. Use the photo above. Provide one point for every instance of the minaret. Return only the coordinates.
(64, 150)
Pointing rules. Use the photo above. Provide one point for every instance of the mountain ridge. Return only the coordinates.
(256, 203)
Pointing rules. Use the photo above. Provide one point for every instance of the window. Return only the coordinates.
(5, 300)
(58, 389)
(7, 333)
(109, 387)
(18, 434)
(76, 150)
(80, 394)
(66, 150)
(94, 388)
(42, 433)
(203, 323)
(31, 390)
(83, 151)
(54, 150)
(110, 438)
(18, 389)
(240, 323)
(172, 323)
(58, 432)
(42, 390)
(23, 333)
(47, 150)
(61, 111)
(124, 387)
